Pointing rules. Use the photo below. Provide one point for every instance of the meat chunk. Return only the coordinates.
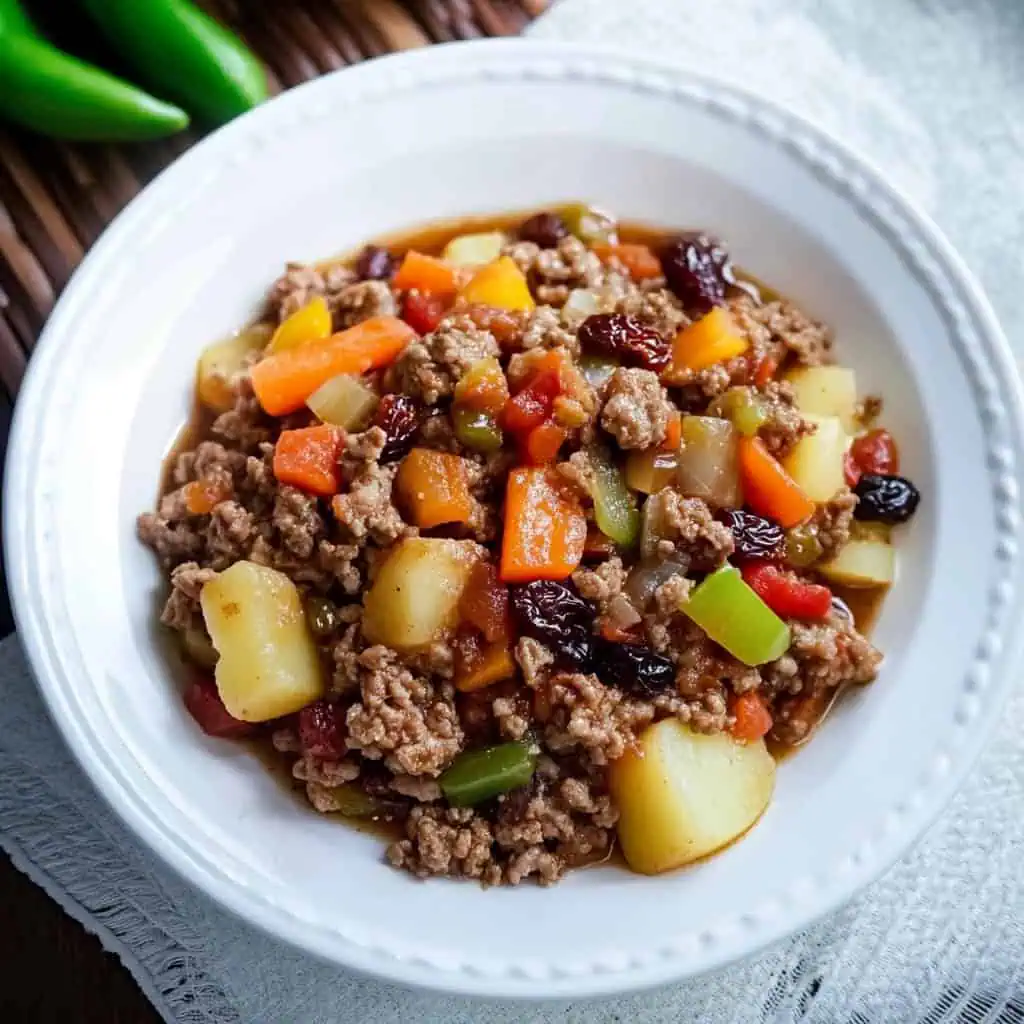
(429, 369)
(182, 609)
(690, 534)
(447, 841)
(784, 426)
(636, 409)
(302, 282)
(553, 273)
(832, 521)
(362, 300)
(401, 718)
(780, 325)
(367, 509)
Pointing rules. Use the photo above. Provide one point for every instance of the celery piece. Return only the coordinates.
(615, 508)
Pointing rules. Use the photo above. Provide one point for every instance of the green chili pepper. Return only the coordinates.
(476, 430)
(615, 508)
(185, 53)
(51, 92)
(479, 775)
(733, 615)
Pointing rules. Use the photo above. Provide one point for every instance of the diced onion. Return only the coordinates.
(708, 466)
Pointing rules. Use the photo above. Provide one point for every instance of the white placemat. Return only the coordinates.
(933, 91)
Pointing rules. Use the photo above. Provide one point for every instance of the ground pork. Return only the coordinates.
(831, 523)
(366, 509)
(581, 713)
(416, 787)
(780, 323)
(182, 609)
(301, 282)
(245, 426)
(636, 409)
(171, 542)
(429, 368)
(448, 841)
(296, 517)
(690, 534)
(323, 771)
(656, 306)
(535, 661)
(362, 300)
(603, 584)
(553, 273)
(784, 426)
(403, 719)
(545, 330)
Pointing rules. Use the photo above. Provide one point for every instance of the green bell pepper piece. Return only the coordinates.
(615, 507)
(476, 430)
(184, 52)
(729, 611)
(590, 225)
(479, 775)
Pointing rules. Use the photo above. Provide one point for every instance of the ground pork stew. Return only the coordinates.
(533, 537)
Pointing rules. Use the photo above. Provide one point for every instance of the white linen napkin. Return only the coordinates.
(933, 91)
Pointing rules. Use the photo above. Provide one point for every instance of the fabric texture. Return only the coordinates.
(933, 92)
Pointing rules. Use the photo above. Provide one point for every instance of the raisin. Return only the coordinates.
(626, 337)
(698, 269)
(554, 613)
(544, 229)
(322, 730)
(754, 535)
(885, 499)
(633, 668)
(399, 417)
(375, 264)
(322, 616)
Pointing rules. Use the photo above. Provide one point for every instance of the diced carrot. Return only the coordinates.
(434, 488)
(753, 719)
(203, 496)
(308, 458)
(639, 260)
(477, 666)
(484, 601)
(484, 387)
(545, 527)
(673, 432)
(767, 488)
(285, 380)
(426, 274)
(765, 370)
(712, 339)
(542, 443)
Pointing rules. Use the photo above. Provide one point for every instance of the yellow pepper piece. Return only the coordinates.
(712, 339)
(311, 323)
(500, 284)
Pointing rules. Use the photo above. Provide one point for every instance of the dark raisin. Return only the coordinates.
(375, 264)
(322, 730)
(544, 229)
(633, 668)
(556, 615)
(885, 499)
(754, 536)
(841, 608)
(627, 338)
(322, 616)
(399, 417)
(698, 269)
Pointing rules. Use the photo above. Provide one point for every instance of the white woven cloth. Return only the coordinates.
(933, 91)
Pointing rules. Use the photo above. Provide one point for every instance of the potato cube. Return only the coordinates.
(816, 463)
(827, 391)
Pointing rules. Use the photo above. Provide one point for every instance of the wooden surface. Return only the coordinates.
(55, 199)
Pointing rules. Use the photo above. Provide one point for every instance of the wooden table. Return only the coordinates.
(55, 199)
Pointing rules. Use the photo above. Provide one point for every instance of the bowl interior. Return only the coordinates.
(316, 174)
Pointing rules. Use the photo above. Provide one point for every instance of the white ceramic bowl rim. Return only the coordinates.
(981, 348)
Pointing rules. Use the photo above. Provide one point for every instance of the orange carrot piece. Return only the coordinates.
(486, 666)
(308, 458)
(484, 602)
(283, 381)
(542, 443)
(434, 488)
(545, 527)
(203, 496)
(767, 488)
(673, 432)
(753, 719)
(765, 370)
(639, 260)
(426, 274)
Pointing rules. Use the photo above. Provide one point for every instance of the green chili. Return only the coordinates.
(185, 53)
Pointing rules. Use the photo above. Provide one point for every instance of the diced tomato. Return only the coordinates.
(484, 602)
(530, 406)
(542, 443)
(786, 595)
(423, 312)
(765, 369)
(752, 717)
(322, 730)
(851, 471)
(204, 704)
(876, 452)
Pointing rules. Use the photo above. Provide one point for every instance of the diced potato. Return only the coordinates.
(862, 563)
(222, 361)
(344, 401)
(816, 463)
(415, 597)
(475, 250)
(268, 664)
(683, 795)
(827, 391)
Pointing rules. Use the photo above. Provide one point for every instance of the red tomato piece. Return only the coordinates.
(851, 471)
(876, 452)
(786, 595)
(322, 730)
(484, 602)
(204, 704)
(531, 406)
(423, 312)
(752, 717)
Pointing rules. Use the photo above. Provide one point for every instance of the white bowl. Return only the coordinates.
(479, 128)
